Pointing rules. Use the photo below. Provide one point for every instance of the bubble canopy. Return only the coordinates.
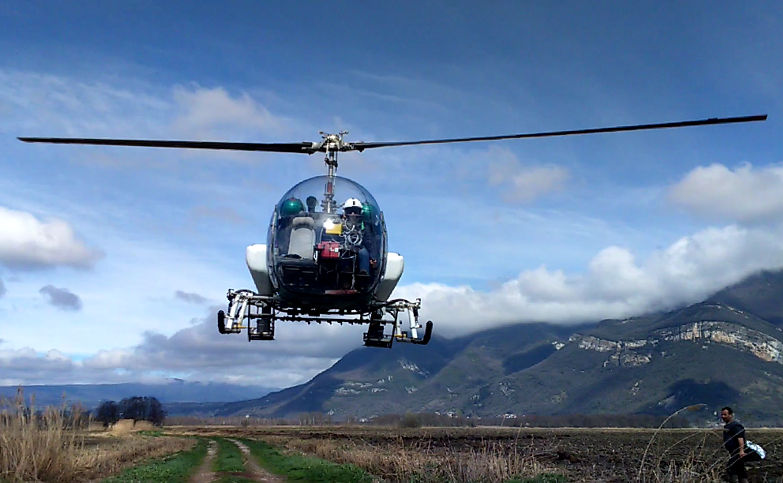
(319, 245)
(309, 195)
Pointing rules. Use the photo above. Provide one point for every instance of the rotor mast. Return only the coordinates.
(332, 144)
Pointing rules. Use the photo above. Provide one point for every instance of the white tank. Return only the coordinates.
(394, 267)
(255, 256)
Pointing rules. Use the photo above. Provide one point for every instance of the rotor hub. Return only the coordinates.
(333, 143)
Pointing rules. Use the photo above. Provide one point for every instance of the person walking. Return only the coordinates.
(734, 442)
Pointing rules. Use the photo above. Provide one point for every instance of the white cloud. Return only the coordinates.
(520, 183)
(744, 194)
(530, 183)
(214, 114)
(614, 286)
(26, 242)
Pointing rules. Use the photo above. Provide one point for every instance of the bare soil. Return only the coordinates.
(204, 473)
(255, 472)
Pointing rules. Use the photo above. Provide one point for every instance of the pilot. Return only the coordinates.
(311, 201)
(352, 208)
(352, 214)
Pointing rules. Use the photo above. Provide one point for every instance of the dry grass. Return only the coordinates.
(108, 454)
(702, 462)
(53, 445)
(425, 462)
(698, 464)
(36, 446)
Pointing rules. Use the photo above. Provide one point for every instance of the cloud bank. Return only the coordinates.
(196, 353)
(615, 284)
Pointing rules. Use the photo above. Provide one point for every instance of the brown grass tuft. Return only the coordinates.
(423, 462)
(37, 446)
(55, 445)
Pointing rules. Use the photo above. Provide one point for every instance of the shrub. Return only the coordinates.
(410, 420)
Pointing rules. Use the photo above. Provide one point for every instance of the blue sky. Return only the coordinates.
(114, 260)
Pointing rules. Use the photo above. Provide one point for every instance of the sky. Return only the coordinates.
(114, 261)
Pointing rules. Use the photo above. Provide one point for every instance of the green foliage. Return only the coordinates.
(229, 458)
(297, 467)
(177, 467)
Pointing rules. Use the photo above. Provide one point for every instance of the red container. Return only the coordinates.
(328, 250)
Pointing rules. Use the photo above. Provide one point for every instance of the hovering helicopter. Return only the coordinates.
(326, 257)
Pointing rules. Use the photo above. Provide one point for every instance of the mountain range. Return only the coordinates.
(726, 350)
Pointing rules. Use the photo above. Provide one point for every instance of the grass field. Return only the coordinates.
(512, 454)
(49, 449)
(177, 467)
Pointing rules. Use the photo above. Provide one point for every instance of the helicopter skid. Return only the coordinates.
(258, 313)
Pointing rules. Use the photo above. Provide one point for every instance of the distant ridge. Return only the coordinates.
(176, 390)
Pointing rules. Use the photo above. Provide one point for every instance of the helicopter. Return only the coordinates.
(326, 258)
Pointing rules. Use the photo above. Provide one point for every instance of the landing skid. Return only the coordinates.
(257, 315)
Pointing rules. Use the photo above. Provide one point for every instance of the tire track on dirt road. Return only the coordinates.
(204, 473)
(254, 470)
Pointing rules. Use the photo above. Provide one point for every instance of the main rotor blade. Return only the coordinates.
(310, 148)
(361, 146)
(303, 147)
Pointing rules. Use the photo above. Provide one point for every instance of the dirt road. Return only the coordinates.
(253, 471)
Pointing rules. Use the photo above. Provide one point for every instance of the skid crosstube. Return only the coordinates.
(257, 315)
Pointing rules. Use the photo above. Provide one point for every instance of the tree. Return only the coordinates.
(145, 408)
(107, 413)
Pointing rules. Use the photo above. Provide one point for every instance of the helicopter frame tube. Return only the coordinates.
(257, 315)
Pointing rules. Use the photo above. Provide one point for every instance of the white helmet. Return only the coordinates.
(352, 203)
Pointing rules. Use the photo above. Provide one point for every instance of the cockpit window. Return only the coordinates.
(337, 236)
(308, 197)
